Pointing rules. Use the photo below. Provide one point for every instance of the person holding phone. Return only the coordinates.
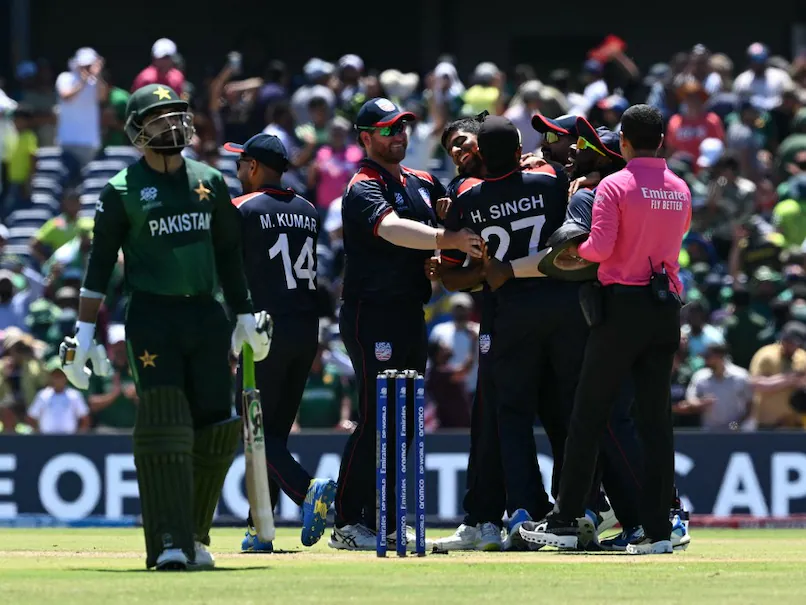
(162, 69)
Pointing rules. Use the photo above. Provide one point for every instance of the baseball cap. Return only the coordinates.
(602, 138)
(498, 138)
(164, 47)
(315, 68)
(353, 61)
(711, 150)
(615, 103)
(593, 66)
(53, 364)
(564, 125)
(26, 69)
(462, 300)
(266, 149)
(794, 331)
(380, 112)
(85, 57)
(757, 52)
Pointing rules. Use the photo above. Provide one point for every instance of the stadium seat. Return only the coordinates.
(47, 185)
(21, 234)
(123, 153)
(46, 200)
(93, 186)
(88, 201)
(30, 217)
(103, 169)
(52, 168)
(49, 153)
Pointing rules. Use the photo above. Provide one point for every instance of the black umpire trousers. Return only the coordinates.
(281, 379)
(377, 337)
(539, 338)
(485, 500)
(637, 338)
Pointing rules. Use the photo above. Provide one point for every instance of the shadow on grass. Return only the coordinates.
(217, 569)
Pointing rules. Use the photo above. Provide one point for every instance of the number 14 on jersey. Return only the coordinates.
(303, 268)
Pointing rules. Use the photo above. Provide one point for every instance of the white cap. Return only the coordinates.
(162, 48)
(485, 72)
(461, 299)
(711, 149)
(4, 233)
(115, 333)
(353, 61)
(85, 57)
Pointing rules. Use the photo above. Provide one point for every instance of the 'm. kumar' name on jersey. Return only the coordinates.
(280, 233)
(178, 232)
(515, 214)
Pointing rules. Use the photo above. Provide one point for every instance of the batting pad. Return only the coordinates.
(213, 452)
(163, 451)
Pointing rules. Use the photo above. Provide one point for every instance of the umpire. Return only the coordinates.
(280, 232)
(640, 215)
(389, 233)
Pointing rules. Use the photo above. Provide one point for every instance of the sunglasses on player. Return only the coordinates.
(551, 137)
(387, 131)
(583, 143)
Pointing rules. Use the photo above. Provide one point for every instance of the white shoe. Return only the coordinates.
(647, 547)
(172, 559)
(410, 539)
(352, 537)
(204, 559)
(489, 537)
(464, 538)
(607, 520)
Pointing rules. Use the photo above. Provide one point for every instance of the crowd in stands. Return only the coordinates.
(736, 133)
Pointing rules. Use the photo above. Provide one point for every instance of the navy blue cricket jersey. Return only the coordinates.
(377, 270)
(515, 214)
(280, 231)
(580, 207)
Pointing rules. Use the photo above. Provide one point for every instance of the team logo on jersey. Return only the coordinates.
(399, 201)
(148, 194)
(383, 351)
(426, 196)
(484, 343)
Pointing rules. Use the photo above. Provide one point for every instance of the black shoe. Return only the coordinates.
(562, 533)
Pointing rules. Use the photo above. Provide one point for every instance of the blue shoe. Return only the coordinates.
(680, 536)
(251, 543)
(622, 540)
(514, 539)
(321, 493)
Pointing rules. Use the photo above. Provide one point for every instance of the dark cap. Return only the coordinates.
(265, 149)
(498, 139)
(380, 112)
(602, 138)
(794, 331)
(564, 125)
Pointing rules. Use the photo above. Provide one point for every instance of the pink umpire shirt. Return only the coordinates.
(640, 212)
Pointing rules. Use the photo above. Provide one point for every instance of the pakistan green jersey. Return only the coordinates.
(179, 232)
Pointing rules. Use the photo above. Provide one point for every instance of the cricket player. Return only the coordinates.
(280, 231)
(181, 239)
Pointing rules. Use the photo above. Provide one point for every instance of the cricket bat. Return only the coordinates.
(257, 475)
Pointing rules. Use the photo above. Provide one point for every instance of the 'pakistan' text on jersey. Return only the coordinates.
(515, 214)
(179, 234)
(280, 232)
(378, 270)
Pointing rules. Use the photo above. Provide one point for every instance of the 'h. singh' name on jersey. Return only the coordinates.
(180, 223)
(502, 209)
(287, 219)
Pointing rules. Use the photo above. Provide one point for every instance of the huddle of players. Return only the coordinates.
(535, 327)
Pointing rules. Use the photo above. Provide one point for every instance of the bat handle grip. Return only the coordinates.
(248, 367)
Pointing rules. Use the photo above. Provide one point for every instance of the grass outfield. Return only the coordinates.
(67, 566)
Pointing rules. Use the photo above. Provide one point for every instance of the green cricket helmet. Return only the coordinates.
(157, 118)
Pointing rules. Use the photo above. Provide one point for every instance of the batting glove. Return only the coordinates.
(76, 350)
(254, 330)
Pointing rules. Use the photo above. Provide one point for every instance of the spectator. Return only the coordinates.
(746, 330)
(791, 154)
(335, 163)
(351, 68)
(21, 376)
(273, 90)
(61, 229)
(20, 159)
(162, 69)
(37, 93)
(593, 78)
(689, 128)
(113, 399)
(316, 129)
(317, 75)
(789, 215)
(326, 402)
(113, 117)
(750, 130)
(81, 91)
(460, 335)
(446, 387)
(9, 313)
(761, 82)
(58, 409)
(485, 93)
(520, 114)
(299, 153)
(776, 371)
(697, 331)
(719, 393)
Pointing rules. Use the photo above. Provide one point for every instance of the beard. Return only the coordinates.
(473, 167)
(393, 155)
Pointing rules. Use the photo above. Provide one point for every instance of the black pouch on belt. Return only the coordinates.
(659, 284)
(591, 300)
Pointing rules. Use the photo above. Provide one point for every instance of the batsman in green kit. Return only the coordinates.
(181, 240)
